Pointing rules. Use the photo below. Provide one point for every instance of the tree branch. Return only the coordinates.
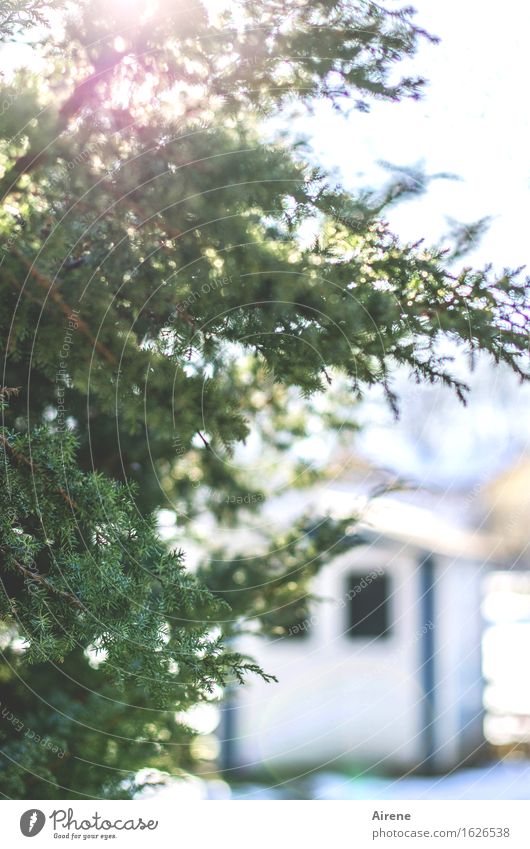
(65, 308)
(40, 579)
(26, 460)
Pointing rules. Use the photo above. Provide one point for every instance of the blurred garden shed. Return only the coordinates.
(386, 671)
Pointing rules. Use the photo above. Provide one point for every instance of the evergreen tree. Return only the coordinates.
(153, 272)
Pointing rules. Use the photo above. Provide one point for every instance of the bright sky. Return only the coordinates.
(473, 122)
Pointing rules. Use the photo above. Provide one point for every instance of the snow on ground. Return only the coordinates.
(501, 780)
(504, 780)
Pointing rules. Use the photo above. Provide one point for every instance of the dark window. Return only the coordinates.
(368, 605)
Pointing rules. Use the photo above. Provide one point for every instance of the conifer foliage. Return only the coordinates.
(153, 268)
(74, 549)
